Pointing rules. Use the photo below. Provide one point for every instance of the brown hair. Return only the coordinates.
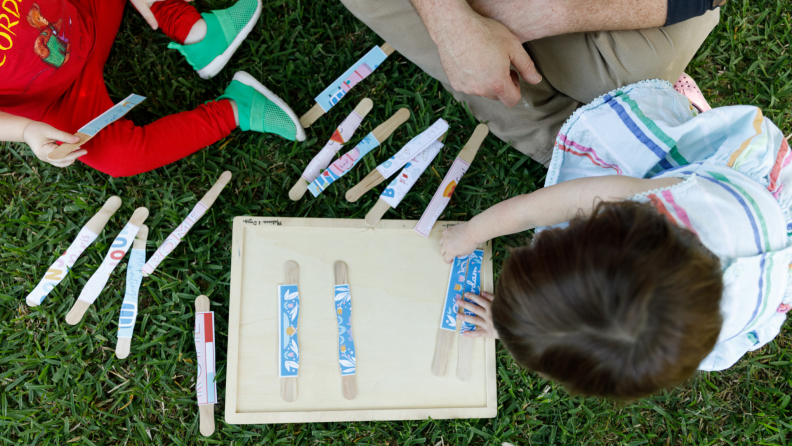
(620, 304)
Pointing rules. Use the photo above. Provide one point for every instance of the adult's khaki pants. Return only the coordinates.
(576, 68)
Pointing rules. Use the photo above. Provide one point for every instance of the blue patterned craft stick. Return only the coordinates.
(129, 307)
(356, 73)
(456, 287)
(288, 313)
(473, 284)
(343, 165)
(346, 343)
(113, 114)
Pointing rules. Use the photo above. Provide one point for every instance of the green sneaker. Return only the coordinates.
(260, 110)
(225, 31)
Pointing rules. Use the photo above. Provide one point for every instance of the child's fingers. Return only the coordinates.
(144, 10)
(59, 135)
(472, 319)
(473, 308)
(487, 295)
(477, 333)
(484, 303)
(69, 159)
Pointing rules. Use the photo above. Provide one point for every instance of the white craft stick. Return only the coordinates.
(99, 279)
(176, 236)
(397, 161)
(85, 237)
(442, 197)
(129, 307)
(205, 385)
(341, 136)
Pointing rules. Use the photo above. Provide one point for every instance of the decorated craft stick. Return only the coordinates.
(99, 279)
(347, 161)
(340, 137)
(400, 185)
(397, 161)
(346, 343)
(442, 197)
(129, 307)
(176, 236)
(448, 321)
(205, 385)
(90, 130)
(61, 267)
(288, 345)
(467, 343)
(341, 86)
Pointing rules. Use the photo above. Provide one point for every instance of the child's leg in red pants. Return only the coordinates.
(122, 148)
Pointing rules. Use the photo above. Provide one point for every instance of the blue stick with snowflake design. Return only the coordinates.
(347, 354)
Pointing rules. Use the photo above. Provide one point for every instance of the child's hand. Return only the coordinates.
(144, 8)
(483, 319)
(42, 138)
(456, 242)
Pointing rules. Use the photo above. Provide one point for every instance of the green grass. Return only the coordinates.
(61, 384)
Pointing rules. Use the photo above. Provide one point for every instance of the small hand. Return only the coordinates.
(456, 242)
(144, 8)
(482, 308)
(477, 54)
(42, 139)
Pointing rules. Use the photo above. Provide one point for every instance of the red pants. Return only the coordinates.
(122, 148)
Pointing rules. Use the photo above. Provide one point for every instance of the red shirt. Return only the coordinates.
(44, 45)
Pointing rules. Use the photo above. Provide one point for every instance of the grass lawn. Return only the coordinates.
(61, 384)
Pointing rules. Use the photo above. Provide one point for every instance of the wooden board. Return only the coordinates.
(398, 280)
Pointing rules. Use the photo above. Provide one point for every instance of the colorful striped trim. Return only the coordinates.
(762, 300)
(656, 131)
(757, 124)
(778, 165)
(658, 204)
(586, 152)
(679, 210)
(754, 204)
(636, 131)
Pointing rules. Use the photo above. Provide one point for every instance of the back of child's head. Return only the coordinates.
(620, 304)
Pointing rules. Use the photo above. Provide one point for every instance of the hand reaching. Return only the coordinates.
(481, 307)
(43, 138)
(456, 242)
(144, 8)
(477, 54)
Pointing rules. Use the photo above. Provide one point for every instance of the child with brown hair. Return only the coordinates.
(662, 247)
(52, 57)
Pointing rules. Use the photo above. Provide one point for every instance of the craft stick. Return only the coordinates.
(443, 194)
(348, 161)
(397, 161)
(341, 136)
(288, 344)
(341, 86)
(175, 237)
(90, 130)
(467, 343)
(398, 188)
(347, 354)
(99, 279)
(57, 271)
(205, 385)
(448, 320)
(129, 307)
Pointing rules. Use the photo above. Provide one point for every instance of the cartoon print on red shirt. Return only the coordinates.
(51, 45)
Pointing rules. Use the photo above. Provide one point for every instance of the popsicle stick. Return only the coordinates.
(348, 382)
(301, 186)
(375, 214)
(468, 153)
(317, 111)
(465, 365)
(175, 237)
(80, 306)
(445, 341)
(64, 149)
(384, 130)
(57, 271)
(371, 181)
(123, 345)
(289, 385)
(206, 411)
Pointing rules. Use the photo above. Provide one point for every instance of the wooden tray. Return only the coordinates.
(398, 282)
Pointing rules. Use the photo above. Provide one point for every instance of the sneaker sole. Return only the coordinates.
(219, 62)
(251, 81)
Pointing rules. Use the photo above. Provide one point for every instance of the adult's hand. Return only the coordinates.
(144, 8)
(42, 139)
(477, 52)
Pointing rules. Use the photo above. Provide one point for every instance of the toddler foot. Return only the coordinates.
(261, 110)
(687, 86)
(225, 31)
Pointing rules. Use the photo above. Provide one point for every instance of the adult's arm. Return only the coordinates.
(476, 52)
(535, 19)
